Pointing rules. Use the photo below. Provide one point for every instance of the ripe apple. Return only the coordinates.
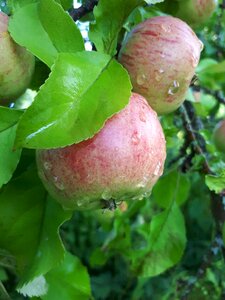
(121, 162)
(196, 12)
(219, 136)
(16, 65)
(160, 55)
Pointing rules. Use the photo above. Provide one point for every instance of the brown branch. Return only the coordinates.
(216, 94)
(87, 7)
(192, 125)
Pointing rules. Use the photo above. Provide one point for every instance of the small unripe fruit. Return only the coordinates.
(121, 162)
(160, 55)
(219, 136)
(16, 65)
(196, 12)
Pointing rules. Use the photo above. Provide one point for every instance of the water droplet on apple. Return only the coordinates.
(166, 28)
(157, 169)
(141, 79)
(135, 138)
(142, 116)
(174, 88)
(201, 45)
(47, 165)
(194, 61)
(106, 195)
(58, 184)
(158, 74)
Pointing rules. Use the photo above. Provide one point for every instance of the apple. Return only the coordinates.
(196, 12)
(161, 55)
(16, 65)
(121, 162)
(219, 136)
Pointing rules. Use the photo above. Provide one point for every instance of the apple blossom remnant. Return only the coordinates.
(121, 162)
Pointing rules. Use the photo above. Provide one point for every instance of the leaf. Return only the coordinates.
(166, 240)
(14, 5)
(68, 281)
(110, 17)
(75, 101)
(29, 226)
(177, 187)
(36, 287)
(9, 117)
(215, 68)
(27, 30)
(9, 158)
(216, 183)
(60, 27)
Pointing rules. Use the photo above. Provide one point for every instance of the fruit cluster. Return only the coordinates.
(126, 157)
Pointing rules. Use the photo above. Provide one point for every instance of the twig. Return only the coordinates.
(87, 7)
(217, 94)
(215, 248)
(192, 124)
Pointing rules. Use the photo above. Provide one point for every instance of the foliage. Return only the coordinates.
(167, 246)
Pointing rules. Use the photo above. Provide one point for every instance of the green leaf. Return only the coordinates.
(215, 68)
(66, 4)
(177, 189)
(14, 5)
(9, 117)
(27, 30)
(60, 27)
(110, 17)
(75, 101)
(68, 281)
(216, 183)
(9, 158)
(29, 225)
(166, 240)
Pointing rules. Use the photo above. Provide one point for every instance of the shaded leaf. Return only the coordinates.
(110, 17)
(70, 280)
(9, 158)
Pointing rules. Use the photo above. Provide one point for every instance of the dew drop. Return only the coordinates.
(158, 74)
(201, 45)
(47, 165)
(141, 78)
(166, 28)
(174, 88)
(135, 138)
(142, 116)
(58, 184)
(157, 169)
(106, 195)
(194, 61)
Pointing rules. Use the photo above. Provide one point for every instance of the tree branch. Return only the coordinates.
(217, 94)
(87, 7)
(192, 125)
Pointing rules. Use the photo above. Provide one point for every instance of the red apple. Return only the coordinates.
(161, 55)
(16, 65)
(196, 12)
(121, 162)
(219, 136)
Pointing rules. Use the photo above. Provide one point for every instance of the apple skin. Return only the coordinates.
(160, 55)
(16, 67)
(196, 12)
(219, 136)
(121, 162)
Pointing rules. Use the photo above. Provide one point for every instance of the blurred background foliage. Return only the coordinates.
(109, 242)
